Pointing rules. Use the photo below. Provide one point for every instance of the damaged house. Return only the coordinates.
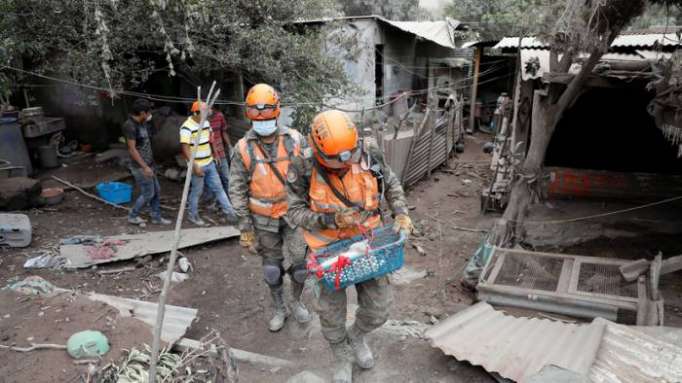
(611, 183)
(411, 79)
(610, 144)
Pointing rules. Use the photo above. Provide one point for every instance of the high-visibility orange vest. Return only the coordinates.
(268, 195)
(359, 186)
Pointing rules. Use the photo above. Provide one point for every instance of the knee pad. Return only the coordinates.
(299, 273)
(272, 274)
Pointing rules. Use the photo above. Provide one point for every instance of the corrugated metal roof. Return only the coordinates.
(175, 323)
(518, 348)
(627, 355)
(439, 32)
(623, 41)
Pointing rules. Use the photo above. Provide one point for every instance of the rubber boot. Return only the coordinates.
(343, 362)
(363, 355)
(280, 316)
(301, 313)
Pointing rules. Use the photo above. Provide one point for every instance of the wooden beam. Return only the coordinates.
(593, 81)
(474, 88)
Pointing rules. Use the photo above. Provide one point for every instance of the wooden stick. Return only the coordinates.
(34, 346)
(79, 189)
(116, 271)
(163, 297)
(69, 184)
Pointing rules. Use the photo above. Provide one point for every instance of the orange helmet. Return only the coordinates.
(196, 106)
(262, 103)
(334, 139)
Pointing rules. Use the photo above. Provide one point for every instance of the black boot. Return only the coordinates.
(280, 316)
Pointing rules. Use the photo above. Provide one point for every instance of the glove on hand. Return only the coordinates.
(248, 240)
(403, 223)
(346, 218)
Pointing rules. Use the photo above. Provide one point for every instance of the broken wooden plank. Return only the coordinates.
(129, 246)
(631, 271)
(185, 344)
(178, 319)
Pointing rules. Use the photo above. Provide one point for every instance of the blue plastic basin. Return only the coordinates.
(115, 192)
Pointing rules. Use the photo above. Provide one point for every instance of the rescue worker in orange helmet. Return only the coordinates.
(258, 192)
(331, 193)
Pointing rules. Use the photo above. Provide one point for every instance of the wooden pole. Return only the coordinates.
(161, 309)
(474, 88)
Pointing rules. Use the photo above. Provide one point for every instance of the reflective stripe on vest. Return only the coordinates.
(359, 186)
(267, 194)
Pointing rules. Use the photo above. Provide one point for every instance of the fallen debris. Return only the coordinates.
(240, 355)
(175, 276)
(117, 270)
(420, 250)
(519, 348)
(98, 250)
(15, 230)
(33, 285)
(631, 271)
(178, 319)
(45, 261)
(34, 347)
(585, 287)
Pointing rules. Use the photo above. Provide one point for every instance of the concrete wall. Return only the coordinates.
(400, 67)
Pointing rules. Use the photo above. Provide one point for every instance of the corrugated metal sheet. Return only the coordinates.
(623, 41)
(176, 320)
(627, 355)
(518, 348)
(439, 32)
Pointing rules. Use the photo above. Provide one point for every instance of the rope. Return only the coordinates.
(608, 214)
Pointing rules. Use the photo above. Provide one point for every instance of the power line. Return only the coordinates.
(182, 100)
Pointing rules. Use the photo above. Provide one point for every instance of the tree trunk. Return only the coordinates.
(525, 186)
(548, 109)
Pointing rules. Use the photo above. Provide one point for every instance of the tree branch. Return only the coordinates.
(578, 82)
(34, 346)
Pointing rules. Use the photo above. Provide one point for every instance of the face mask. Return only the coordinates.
(265, 128)
(149, 117)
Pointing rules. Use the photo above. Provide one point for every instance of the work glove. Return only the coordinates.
(403, 223)
(247, 239)
(346, 218)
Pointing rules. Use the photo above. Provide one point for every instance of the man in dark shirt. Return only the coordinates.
(138, 134)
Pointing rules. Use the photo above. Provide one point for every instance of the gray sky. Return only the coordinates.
(432, 4)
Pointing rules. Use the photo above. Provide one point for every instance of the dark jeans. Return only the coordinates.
(150, 192)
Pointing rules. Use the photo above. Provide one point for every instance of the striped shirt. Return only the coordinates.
(188, 133)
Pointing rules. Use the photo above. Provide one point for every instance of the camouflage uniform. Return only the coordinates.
(374, 296)
(278, 241)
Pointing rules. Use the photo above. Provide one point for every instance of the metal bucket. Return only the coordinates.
(48, 156)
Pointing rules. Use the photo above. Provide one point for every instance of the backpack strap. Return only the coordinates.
(341, 197)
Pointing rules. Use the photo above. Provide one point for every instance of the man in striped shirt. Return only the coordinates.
(204, 171)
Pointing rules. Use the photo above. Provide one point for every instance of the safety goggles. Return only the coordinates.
(341, 160)
(261, 111)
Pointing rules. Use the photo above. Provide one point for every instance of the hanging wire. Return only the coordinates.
(185, 100)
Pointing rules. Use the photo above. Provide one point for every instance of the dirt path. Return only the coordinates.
(227, 288)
